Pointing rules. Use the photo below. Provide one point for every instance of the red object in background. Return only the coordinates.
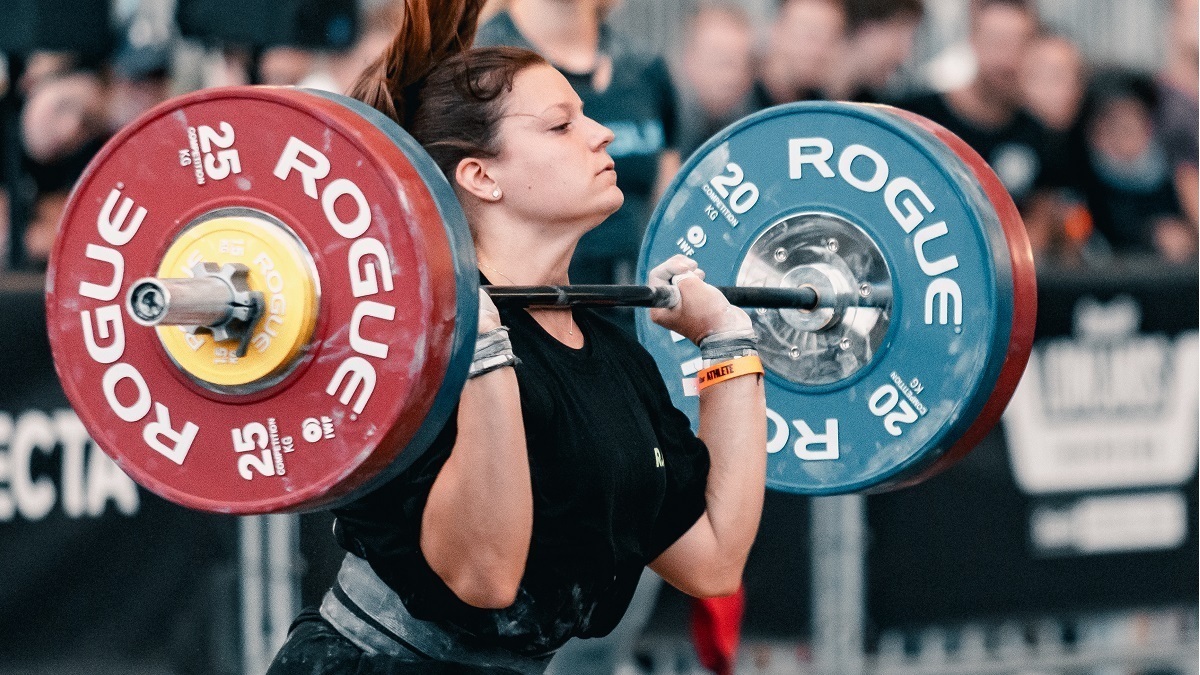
(717, 629)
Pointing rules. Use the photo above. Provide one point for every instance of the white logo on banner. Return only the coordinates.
(89, 479)
(1111, 523)
(1107, 409)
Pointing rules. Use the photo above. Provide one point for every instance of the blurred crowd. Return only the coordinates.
(1101, 160)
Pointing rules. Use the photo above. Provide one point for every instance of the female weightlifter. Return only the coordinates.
(566, 469)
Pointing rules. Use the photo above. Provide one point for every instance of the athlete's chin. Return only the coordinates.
(603, 205)
(613, 198)
(603, 210)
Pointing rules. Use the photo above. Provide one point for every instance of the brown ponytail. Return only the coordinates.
(430, 32)
(448, 96)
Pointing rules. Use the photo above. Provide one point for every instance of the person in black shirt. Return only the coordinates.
(802, 46)
(716, 67)
(566, 468)
(988, 113)
(879, 40)
(63, 125)
(1131, 192)
(1054, 76)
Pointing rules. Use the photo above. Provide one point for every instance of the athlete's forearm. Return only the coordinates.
(708, 560)
(733, 426)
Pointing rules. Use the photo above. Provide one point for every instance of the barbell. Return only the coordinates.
(303, 295)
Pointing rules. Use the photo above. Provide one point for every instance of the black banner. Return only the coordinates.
(96, 574)
(1086, 497)
(56, 25)
(982, 541)
(320, 24)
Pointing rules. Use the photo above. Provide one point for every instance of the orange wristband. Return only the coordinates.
(727, 370)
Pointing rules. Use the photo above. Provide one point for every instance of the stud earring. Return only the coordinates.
(496, 193)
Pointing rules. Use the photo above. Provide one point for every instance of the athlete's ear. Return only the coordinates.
(471, 174)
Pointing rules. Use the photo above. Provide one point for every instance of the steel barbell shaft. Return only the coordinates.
(601, 295)
(207, 302)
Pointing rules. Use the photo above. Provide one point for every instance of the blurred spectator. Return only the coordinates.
(63, 124)
(1053, 81)
(879, 41)
(62, 116)
(801, 49)
(988, 113)
(717, 68)
(1131, 193)
(68, 115)
(1178, 112)
(285, 66)
(630, 93)
(139, 80)
(338, 70)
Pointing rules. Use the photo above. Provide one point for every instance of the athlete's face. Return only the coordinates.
(553, 165)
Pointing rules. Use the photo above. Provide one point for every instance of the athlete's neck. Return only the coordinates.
(519, 254)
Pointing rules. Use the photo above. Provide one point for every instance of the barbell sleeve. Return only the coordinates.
(206, 301)
(216, 298)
